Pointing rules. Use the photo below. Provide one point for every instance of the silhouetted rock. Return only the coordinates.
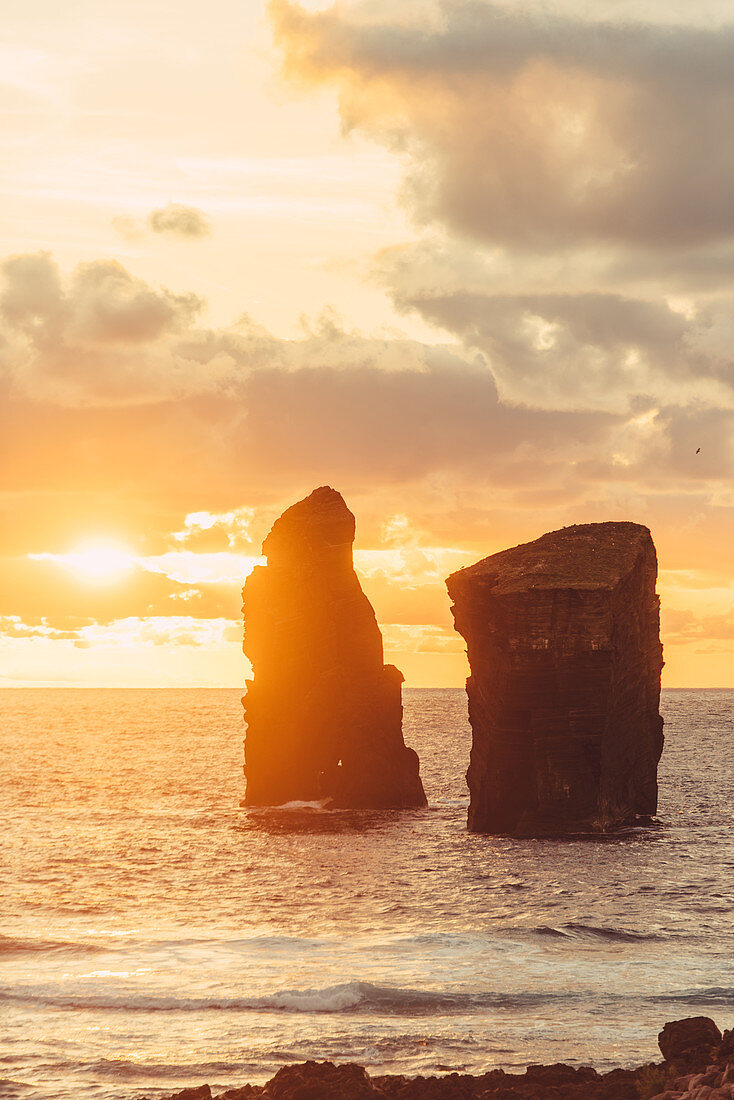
(691, 1042)
(563, 638)
(320, 1081)
(323, 712)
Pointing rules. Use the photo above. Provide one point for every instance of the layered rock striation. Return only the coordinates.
(323, 711)
(563, 640)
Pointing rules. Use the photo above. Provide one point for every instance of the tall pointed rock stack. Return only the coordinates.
(563, 639)
(323, 712)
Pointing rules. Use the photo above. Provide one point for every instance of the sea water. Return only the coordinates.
(157, 935)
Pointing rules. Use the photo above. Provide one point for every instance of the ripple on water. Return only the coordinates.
(154, 929)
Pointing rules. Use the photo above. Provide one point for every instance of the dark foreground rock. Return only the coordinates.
(323, 711)
(563, 639)
(691, 1042)
(694, 1069)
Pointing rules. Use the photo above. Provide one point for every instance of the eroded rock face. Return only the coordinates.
(563, 639)
(323, 712)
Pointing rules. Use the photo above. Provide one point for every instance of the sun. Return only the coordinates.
(99, 561)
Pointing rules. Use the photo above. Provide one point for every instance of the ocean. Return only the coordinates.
(156, 935)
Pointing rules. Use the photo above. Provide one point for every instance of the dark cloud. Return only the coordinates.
(535, 130)
(175, 220)
(657, 450)
(315, 424)
(397, 426)
(439, 266)
(590, 349)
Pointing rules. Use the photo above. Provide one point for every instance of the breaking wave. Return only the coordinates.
(716, 995)
(12, 945)
(573, 930)
(316, 805)
(344, 997)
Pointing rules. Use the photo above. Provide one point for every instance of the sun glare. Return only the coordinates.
(99, 562)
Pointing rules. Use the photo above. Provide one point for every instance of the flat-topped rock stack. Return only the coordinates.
(563, 640)
(323, 711)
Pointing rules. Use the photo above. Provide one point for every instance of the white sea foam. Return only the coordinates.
(345, 997)
(317, 806)
(335, 998)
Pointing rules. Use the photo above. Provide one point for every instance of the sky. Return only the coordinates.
(470, 263)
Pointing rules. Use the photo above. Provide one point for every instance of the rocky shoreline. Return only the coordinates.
(698, 1064)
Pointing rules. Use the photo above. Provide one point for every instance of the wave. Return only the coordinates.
(11, 1089)
(12, 945)
(121, 1069)
(345, 997)
(317, 806)
(18, 945)
(574, 930)
(716, 995)
(356, 997)
(238, 943)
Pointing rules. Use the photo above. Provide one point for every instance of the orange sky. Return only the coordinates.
(468, 263)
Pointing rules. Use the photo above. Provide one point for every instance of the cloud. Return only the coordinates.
(441, 266)
(32, 300)
(129, 632)
(176, 220)
(41, 590)
(274, 428)
(130, 398)
(212, 532)
(549, 159)
(423, 638)
(12, 626)
(396, 426)
(111, 306)
(100, 335)
(682, 626)
(101, 304)
(200, 567)
(122, 418)
(531, 129)
(591, 350)
(104, 337)
(128, 228)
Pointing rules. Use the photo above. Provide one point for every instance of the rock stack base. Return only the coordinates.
(563, 639)
(323, 711)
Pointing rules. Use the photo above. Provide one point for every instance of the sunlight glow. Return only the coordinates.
(96, 561)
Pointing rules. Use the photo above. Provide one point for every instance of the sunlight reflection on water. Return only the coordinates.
(157, 935)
